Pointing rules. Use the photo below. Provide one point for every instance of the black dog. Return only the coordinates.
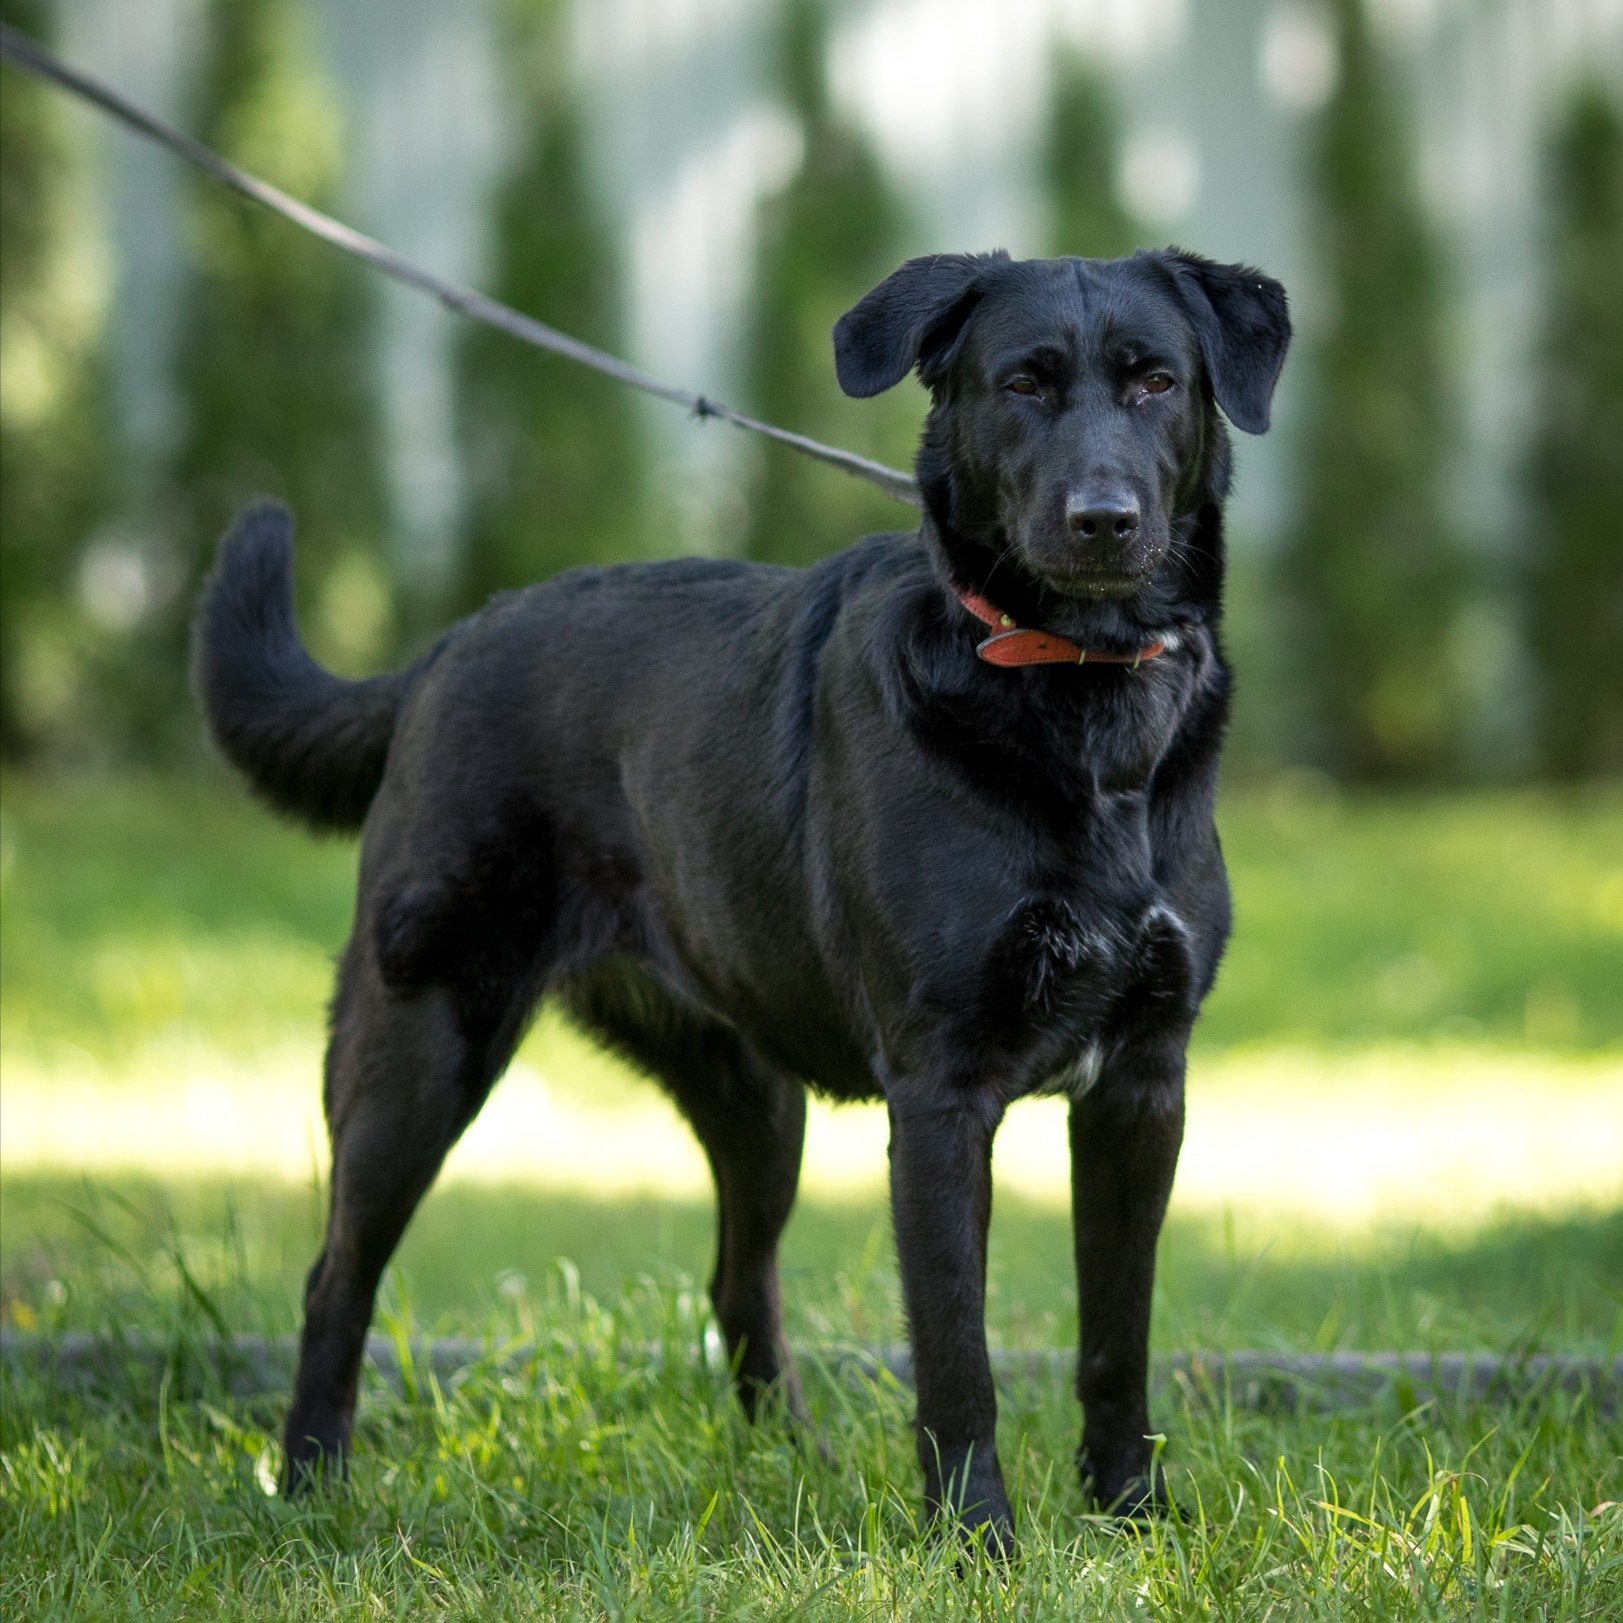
(757, 827)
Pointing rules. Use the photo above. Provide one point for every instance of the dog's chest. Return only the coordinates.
(1070, 958)
(1073, 961)
(1122, 737)
(1057, 754)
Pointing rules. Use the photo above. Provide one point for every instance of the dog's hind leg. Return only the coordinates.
(751, 1120)
(403, 1080)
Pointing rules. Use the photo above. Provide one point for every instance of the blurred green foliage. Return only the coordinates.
(274, 360)
(57, 465)
(834, 231)
(1354, 647)
(1491, 915)
(145, 905)
(1575, 472)
(552, 453)
(1372, 571)
(1086, 217)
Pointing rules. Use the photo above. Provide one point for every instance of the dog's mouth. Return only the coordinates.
(1063, 572)
(1098, 583)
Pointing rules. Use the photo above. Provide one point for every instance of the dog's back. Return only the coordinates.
(585, 644)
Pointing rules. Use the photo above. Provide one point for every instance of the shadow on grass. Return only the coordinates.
(73, 1252)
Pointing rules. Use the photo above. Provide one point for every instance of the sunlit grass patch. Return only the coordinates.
(1440, 1133)
(136, 910)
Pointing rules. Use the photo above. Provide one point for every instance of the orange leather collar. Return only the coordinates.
(1020, 645)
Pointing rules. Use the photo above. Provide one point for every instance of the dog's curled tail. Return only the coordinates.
(309, 742)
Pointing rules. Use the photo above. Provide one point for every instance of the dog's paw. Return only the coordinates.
(981, 1531)
(1139, 1496)
(967, 1502)
(811, 1442)
(313, 1471)
(992, 1537)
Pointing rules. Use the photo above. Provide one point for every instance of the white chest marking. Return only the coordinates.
(1079, 1077)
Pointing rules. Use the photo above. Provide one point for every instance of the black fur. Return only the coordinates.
(759, 827)
(311, 744)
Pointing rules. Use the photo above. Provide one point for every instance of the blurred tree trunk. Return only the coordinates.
(1079, 165)
(1373, 577)
(552, 451)
(274, 364)
(1575, 472)
(829, 236)
(56, 457)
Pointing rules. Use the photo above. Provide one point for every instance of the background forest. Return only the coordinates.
(1385, 631)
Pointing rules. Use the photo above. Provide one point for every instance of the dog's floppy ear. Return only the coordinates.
(1244, 328)
(913, 317)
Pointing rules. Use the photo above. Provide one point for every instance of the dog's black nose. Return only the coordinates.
(1103, 518)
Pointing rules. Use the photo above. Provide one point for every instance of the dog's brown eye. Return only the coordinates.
(1157, 383)
(1023, 385)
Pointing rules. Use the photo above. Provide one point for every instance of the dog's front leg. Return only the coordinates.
(941, 1197)
(1125, 1137)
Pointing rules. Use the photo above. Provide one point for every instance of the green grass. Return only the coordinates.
(131, 907)
(596, 1484)
(1537, 1283)
(599, 1482)
(1494, 915)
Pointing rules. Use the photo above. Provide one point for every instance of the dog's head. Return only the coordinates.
(1073, 429)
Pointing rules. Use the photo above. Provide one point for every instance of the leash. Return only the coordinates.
(31, 57)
